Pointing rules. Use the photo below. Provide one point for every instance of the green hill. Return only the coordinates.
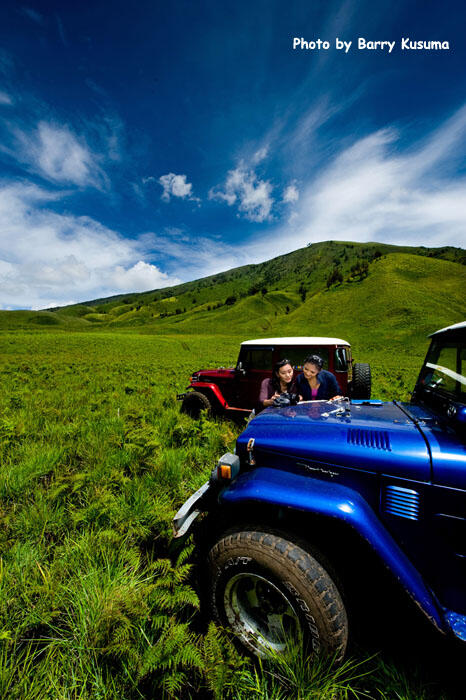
(403, 299)
(354, 290)
(405, 296)
(33, 320)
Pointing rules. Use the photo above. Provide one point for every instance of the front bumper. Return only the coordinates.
(190, 510)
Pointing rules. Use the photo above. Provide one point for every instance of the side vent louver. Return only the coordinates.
(401, 502)
(379, 439)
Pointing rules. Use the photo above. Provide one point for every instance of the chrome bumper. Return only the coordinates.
(189, 511)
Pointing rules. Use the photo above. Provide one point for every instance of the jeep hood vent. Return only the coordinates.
(379, 439)
(401, 502)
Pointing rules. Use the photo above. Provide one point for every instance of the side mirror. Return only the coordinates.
(240, 369)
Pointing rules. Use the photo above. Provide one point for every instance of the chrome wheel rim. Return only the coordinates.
(260, 614)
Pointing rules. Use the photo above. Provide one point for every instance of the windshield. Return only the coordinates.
(445, 369)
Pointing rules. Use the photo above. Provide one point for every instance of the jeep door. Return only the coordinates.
(254, 365)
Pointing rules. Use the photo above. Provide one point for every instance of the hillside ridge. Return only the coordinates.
(355, 290)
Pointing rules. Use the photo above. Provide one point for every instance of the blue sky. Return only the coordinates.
(143, 144)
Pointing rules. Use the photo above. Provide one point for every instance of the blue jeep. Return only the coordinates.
(318, 493)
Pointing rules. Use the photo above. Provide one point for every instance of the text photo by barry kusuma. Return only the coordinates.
(363, 44)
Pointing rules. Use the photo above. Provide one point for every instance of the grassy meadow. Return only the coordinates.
(95, 459)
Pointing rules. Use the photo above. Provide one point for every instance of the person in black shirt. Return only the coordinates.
(316, 383)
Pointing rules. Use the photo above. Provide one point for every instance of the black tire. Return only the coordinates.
(270, 592)
(361, 384)
(194, 402)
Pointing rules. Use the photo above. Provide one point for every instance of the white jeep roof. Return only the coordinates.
(298, 340)
(455, 327)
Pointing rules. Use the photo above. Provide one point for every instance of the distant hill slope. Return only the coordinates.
(354, 290)
(404, 297)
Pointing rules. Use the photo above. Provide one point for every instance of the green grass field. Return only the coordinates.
(95, 459)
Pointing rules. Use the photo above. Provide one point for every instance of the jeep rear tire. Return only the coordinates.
(361, 384)
(272, 593)
(194, 402)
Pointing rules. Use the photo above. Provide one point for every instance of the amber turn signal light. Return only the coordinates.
(227, 468)
(224, 471)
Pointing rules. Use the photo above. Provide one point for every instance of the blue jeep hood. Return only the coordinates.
(378, 437)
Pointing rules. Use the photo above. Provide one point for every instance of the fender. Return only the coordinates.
(269, 486)
(211, 387)
(218, 395)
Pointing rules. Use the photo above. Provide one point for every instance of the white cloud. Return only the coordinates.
(175, 186)
(57, 154)
(375, 191)
(260, 155)
(61, 32)
(5, 99)
(33, 14)
(291, 194)
(48, 258)
(252, 196)
(192, 258)
(306, 130)
(139, 278)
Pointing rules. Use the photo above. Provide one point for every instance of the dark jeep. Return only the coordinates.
(321, 493)
(234, 391)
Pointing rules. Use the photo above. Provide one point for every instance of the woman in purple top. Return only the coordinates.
(280, 381)
(315, 382)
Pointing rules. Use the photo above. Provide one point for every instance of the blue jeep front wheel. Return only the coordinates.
(273, 595)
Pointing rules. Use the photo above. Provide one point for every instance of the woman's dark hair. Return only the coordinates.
(275, 375)
(314, 360)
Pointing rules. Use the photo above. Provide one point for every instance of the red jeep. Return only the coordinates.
(235, 391)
